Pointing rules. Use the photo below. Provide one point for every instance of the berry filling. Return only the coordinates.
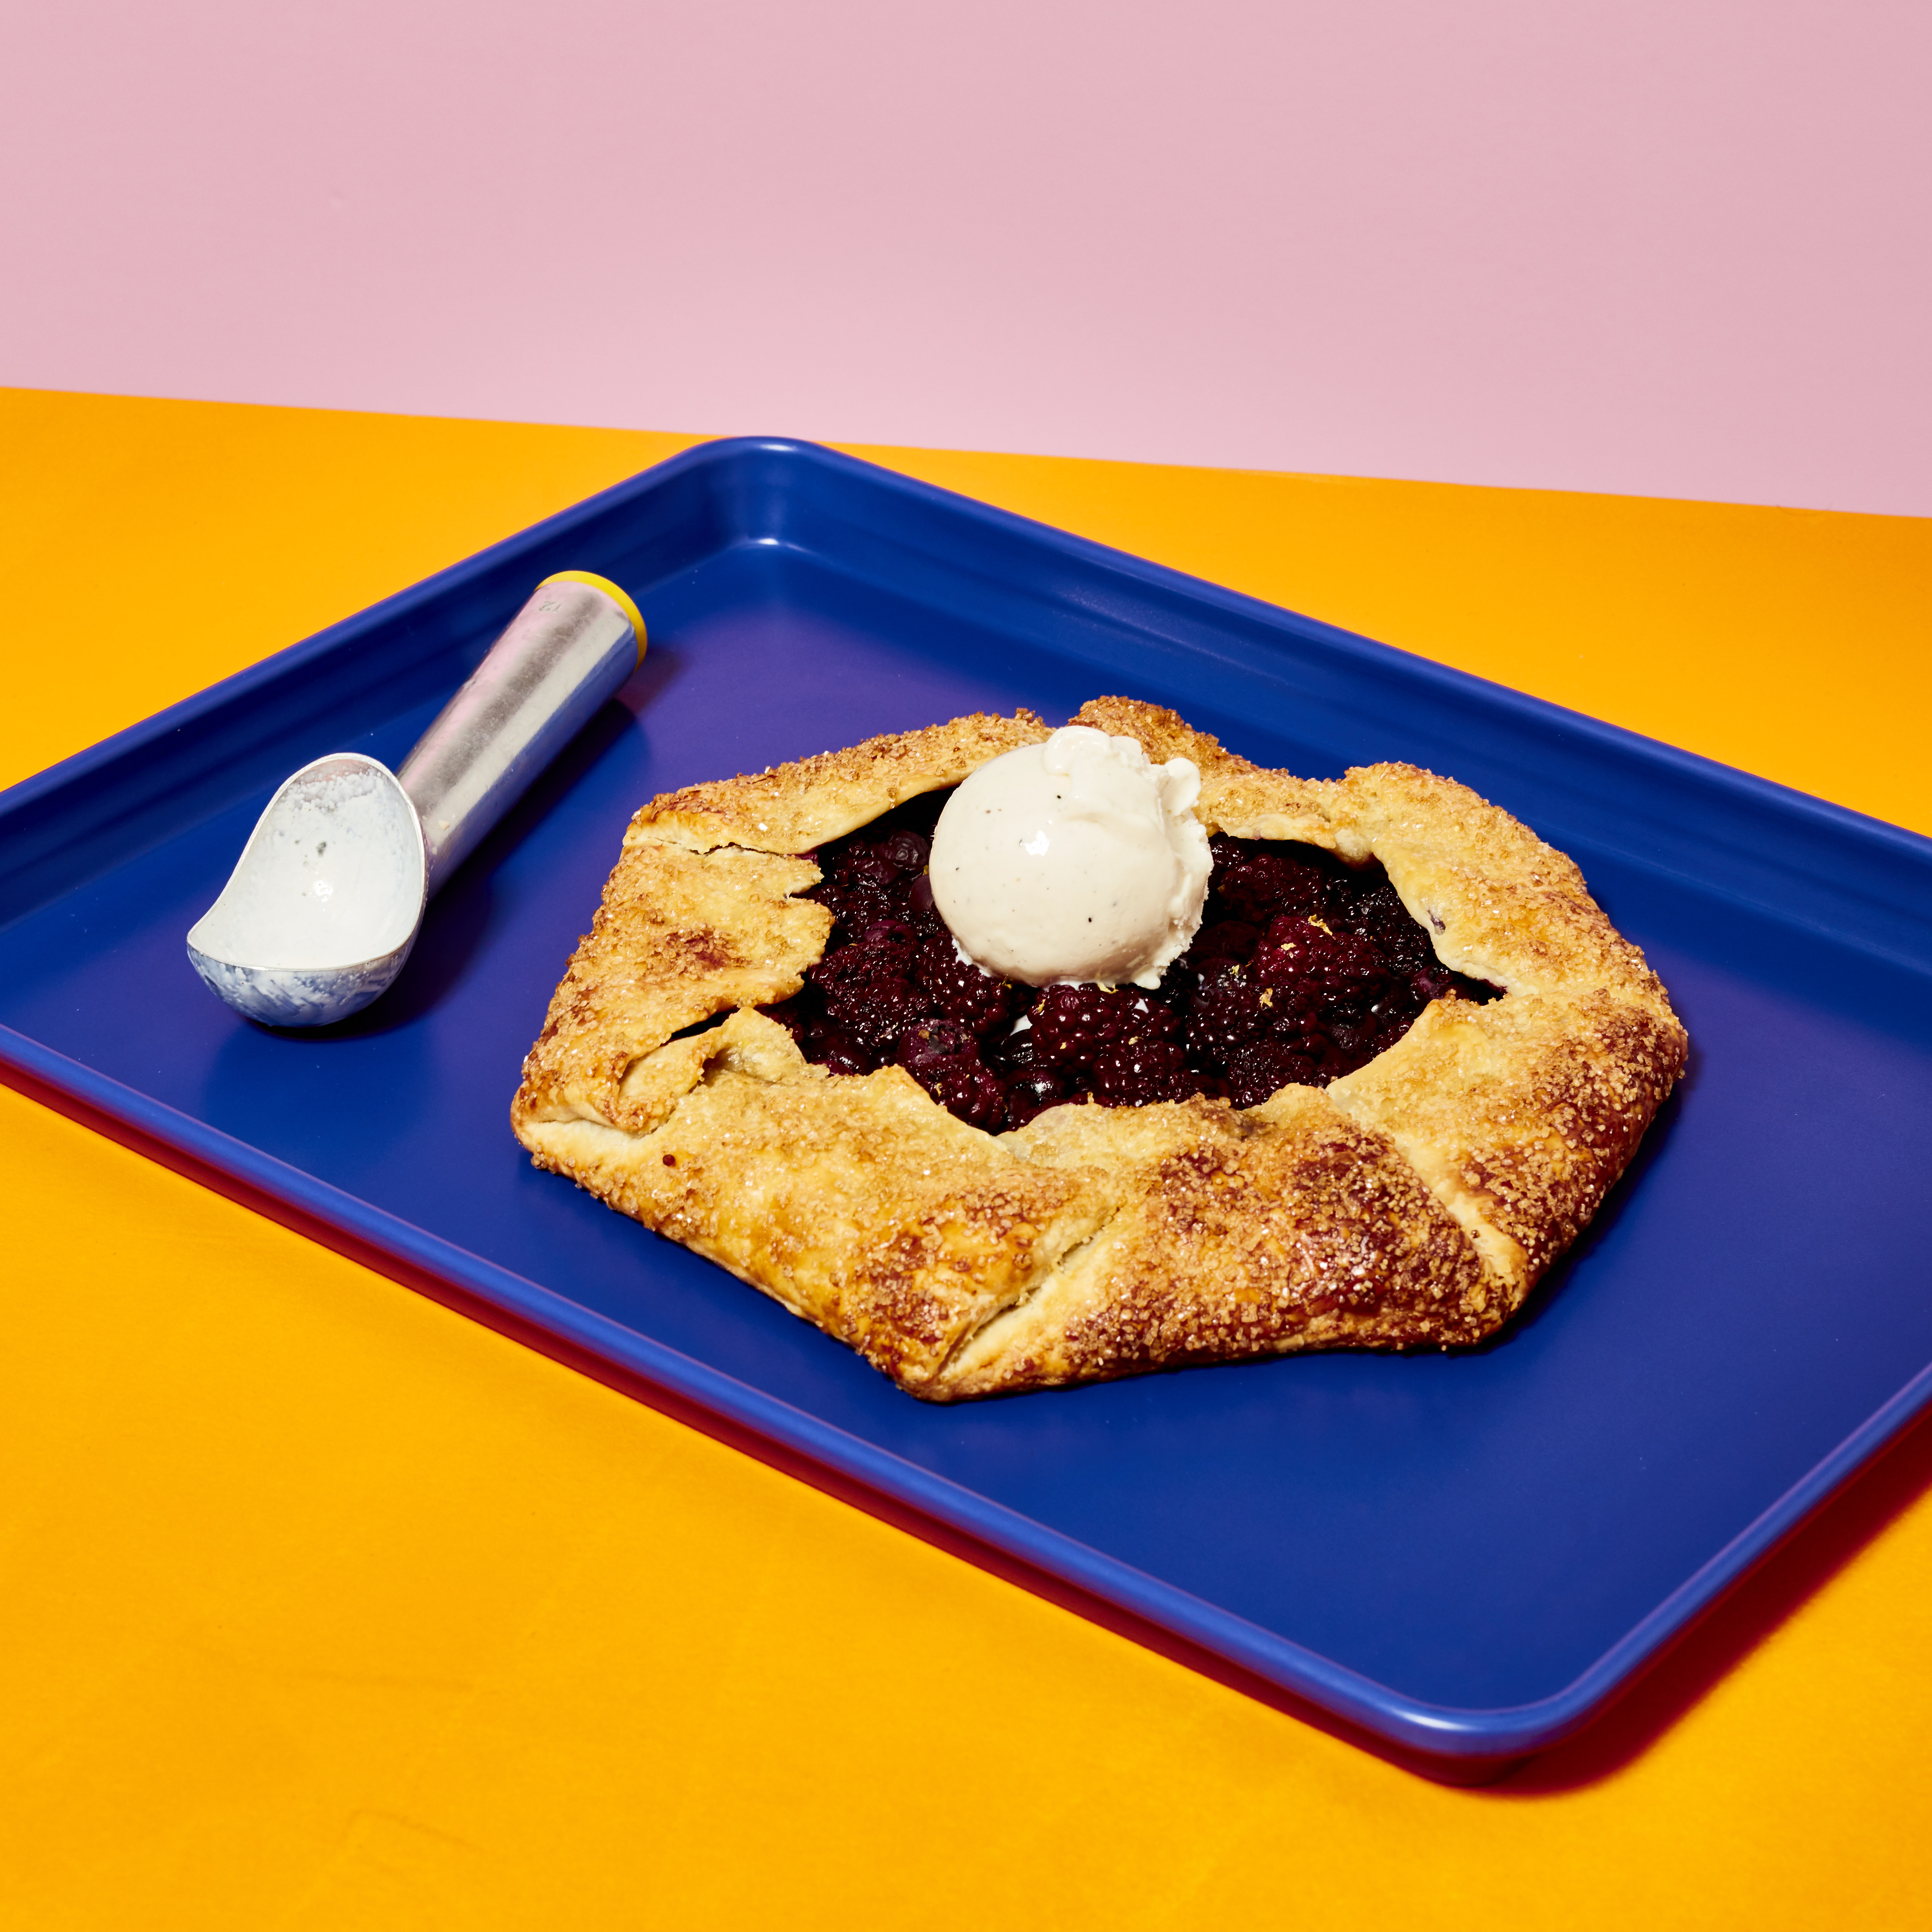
(1304, 969)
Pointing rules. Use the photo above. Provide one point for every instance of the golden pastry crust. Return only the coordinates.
(1236, 1236)
(680, 936)
(1417, 1201)
(857, 1202)
(799, 807)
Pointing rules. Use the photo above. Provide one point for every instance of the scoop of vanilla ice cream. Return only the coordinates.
(1072, 860)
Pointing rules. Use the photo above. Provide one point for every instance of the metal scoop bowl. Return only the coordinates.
(320, 914)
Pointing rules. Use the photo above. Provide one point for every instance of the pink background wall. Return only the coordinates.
(1670, 246)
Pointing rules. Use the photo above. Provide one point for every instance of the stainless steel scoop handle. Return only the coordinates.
(566, 651)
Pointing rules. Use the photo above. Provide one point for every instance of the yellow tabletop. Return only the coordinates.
(324, 1607)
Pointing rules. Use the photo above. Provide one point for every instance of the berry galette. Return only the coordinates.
(1397, 1067)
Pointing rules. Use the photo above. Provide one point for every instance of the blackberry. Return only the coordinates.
(852, 968)
(1380, 918)
(837, 1054)
(1138, 1073)
(944, 1059)
(1072, 1023)
(1229, 1010)
(1297, 1018)
(1264, 1066)
(1226, 939)
(872, 864)
(1342, 970)
(1148, 1017)
(927, 1040)
(1350, 1046)
(1031, 1093)
(970, 1092)
(855, 905)
(875, 1023)
(862, 884)
(961, 991)
(967, 1088)
(907, 851)
(868, 1000)
(1015, 1052)
(1253, 881)
(892, 939)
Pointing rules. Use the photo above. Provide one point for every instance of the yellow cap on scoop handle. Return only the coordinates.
(617, 594)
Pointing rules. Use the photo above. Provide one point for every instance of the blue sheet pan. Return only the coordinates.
(1458, 1558)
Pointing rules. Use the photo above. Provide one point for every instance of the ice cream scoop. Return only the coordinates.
(1076, 860)
(321, 909)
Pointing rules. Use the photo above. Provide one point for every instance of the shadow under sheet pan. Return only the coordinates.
(1456, 1558)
